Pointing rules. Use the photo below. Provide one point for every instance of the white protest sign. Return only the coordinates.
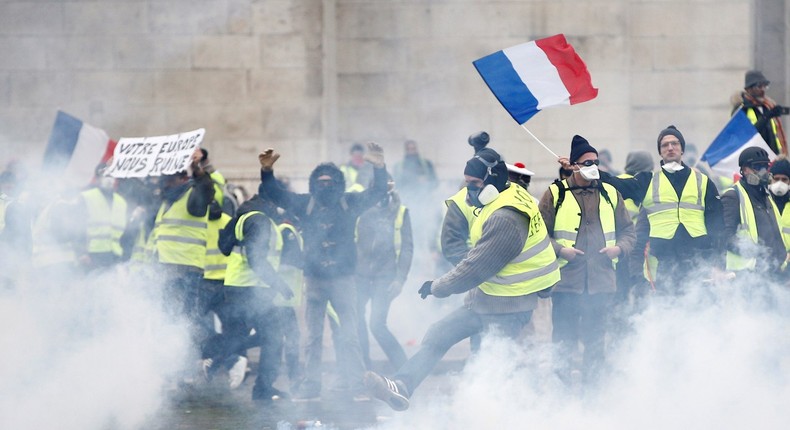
(138, 157)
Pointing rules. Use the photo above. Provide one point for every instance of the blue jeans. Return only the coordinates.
(375, 292)
(455, 327)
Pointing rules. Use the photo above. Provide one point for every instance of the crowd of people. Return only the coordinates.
(593, 239)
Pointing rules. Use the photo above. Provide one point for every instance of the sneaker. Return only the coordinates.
(205, 366)
(391, 392)
(307, 392)
(237, 372)
(268, 395)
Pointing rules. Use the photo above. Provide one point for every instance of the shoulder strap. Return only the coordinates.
(561, 194)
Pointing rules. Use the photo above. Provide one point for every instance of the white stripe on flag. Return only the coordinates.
(728, 166)
(538, 74)
(91, 144)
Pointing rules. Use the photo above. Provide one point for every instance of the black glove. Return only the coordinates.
(545, 293)
(775, 111)
(425, 290)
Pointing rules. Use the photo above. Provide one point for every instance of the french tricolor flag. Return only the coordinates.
(530, 77)
(75, 149)
(739, 134)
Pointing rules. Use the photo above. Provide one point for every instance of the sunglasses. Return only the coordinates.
(588, 163)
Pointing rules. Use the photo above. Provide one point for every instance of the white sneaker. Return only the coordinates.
(206, 367)
(237, 372)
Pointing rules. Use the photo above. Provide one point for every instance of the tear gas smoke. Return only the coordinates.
(89, 354)
(716, 357)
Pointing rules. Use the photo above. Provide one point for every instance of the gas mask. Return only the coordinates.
(673, 166)
(590, 173)
(760, 177)
(479, 197)
(779, 188)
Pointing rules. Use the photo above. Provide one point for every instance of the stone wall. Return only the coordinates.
(310, 77)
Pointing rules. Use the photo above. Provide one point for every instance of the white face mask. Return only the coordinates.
(779, 188)
(673, 167)
(106, 182)
(589, 173)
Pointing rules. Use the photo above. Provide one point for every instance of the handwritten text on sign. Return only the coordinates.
(138, 157)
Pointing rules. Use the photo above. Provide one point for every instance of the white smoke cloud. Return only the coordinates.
(718, 357)
(92, 354)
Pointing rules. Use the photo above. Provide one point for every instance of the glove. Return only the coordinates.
(286, 293)
(267, 159)
(375, 154)
(394, 289)
(425, 290)
(545, 293)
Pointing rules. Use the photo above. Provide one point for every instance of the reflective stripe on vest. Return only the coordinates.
(752, 115)
(239, 273)
(569, 217)
(665, 212)
(536, 267)
(216, 261)
(747, 231)
(398, 227)
(105, 222)
(180, 238)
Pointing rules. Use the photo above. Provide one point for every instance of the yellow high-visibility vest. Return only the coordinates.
(569, 217)
(536, 267)
(747, 230)
(216, 261)
(180, 238)
(106, 222)
(752, 115)
(630, 204)
(239, 273)
(293, 276)
(665, 212)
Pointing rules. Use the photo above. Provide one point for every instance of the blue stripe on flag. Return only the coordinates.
(735, 134)
(62, 142)
(500, 76)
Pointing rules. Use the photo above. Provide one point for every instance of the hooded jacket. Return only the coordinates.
(328, 217)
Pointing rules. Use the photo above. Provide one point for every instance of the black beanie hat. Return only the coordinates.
(781, 166)
(488, 166)
(674, 132)
(579, 147)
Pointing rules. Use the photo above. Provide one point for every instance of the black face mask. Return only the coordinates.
(328, 193)
(472, 196)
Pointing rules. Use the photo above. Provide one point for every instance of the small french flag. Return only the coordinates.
(530, 77)
(739, 134)
(75, 149)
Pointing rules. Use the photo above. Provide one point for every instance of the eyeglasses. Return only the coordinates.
(589, 163)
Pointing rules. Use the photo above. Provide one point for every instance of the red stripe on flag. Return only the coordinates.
(571, 68)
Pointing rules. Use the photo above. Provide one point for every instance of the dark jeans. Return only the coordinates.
(580, 318)
(244, 309)
(455, 327)
(341, 292)
(375, 292)
(286, 315)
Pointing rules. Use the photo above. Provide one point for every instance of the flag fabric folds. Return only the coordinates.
(75, 148)
(737, 135)
(530, 77)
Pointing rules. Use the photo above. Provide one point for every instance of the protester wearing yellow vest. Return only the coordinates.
(763, 111)
(105, 215)
(384, 248)
(752, 230)
(357, 172)
(681, 217)
(589, 228)
(253, 242)
(179, 242)
(779, 187)
(511, 259)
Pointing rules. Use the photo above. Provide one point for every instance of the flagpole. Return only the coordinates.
(538, 140)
